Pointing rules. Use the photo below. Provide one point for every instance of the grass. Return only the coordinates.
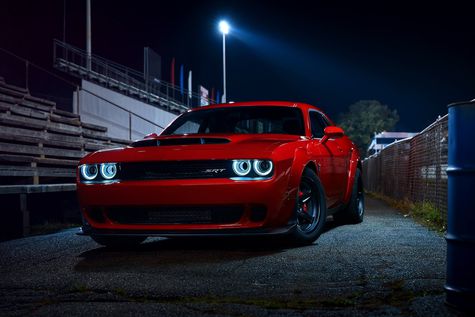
(430, 214)
(423, 212)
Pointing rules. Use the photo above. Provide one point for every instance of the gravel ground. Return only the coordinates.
(386, 266)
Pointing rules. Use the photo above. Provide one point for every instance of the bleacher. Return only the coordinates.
(40, 147)
(40, 144)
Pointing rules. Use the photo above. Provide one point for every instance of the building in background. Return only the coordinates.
(383, 139)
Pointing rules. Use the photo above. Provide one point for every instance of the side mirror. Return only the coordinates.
(332, 132)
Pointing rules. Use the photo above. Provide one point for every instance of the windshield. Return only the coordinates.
(244, 119)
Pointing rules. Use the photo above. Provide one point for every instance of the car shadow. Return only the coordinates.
(164, 252)
(156, 252)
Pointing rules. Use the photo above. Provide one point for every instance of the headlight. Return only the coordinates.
(108, 170)
(262, 167)
(89, 172)
(252, 169)
(242, 167)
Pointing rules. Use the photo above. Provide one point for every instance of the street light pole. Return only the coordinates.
(224, 28)
(224, 68)
(88, 34)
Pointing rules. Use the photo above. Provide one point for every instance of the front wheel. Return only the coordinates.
(310, 209)
(118, 242)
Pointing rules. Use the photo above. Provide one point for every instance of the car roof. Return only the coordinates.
(300, 105)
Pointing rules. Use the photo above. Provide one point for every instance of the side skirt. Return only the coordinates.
(336, 209)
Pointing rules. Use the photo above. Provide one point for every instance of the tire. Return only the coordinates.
(118, 242)
(310, 209)
(354, 211)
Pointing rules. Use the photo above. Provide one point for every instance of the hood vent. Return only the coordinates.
(178, 141)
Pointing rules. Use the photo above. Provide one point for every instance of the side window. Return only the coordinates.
(316, 122)
(188, 127)
(323, 121)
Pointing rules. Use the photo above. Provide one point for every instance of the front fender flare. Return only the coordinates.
(300, 162)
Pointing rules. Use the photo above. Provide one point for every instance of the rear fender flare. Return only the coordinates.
(354, 164)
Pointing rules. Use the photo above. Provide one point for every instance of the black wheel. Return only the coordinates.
(118, 242)
(354, 212)
(310, 209)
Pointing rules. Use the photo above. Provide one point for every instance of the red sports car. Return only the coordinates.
(234, 169)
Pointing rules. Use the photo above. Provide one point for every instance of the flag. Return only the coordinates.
(204, 96)
(212, 95)
(181, 79)
(189, 85)
(172, 72)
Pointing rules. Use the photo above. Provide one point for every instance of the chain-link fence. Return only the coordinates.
(413, 169)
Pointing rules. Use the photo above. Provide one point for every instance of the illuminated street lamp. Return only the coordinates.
(224, 28)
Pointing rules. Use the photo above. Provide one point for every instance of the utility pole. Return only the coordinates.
(88, 34)
(64, 21)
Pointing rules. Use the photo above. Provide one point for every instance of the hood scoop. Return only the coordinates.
(178, 141)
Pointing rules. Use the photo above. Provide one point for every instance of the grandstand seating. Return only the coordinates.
(40, 144)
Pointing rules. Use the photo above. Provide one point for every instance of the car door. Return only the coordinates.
(326, 159)
(342, 158)
(331, 159)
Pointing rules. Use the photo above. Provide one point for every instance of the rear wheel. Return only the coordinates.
(118, 242)
(310, 209)
(354, 212)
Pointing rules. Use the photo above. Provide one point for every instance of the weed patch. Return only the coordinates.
(424, 212)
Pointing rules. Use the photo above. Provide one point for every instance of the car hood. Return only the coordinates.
(197, 147)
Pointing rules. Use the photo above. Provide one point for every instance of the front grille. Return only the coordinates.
(176, 215)
(175, 170)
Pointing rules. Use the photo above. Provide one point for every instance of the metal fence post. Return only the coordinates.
(27, 71)
(77, 100)
(460, 284)
(130, 126)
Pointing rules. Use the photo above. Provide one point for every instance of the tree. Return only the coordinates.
(364, 119)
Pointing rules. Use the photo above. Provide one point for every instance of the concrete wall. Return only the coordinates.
(95, 110)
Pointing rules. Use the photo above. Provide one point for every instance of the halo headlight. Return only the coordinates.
(89, 171)
(242, 167)
(108, 170)
(262, 167)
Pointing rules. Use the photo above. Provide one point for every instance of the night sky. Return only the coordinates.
(414, 58)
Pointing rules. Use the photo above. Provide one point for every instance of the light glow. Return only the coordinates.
(224, 27)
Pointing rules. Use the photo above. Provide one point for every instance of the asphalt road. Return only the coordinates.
(388, 265)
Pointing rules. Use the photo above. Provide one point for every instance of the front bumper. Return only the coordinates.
(272, 195)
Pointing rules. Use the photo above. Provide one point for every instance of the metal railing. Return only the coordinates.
(123, 79)
(20, 65)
